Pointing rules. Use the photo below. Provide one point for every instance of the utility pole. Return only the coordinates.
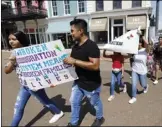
(157, 17)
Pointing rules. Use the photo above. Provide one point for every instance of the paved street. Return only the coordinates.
(146, 111)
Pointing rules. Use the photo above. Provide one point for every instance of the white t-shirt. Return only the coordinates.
(139, 65)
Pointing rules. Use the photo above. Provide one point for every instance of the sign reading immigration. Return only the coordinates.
(42, 65)
(127, 43)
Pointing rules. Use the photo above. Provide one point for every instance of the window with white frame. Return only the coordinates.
(81, 6)
(136, 3)
(67, 7)
(54, 7)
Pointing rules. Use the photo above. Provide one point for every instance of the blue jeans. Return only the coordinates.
(23, 97)
(115, 77)
(76, 98)
(135, 78)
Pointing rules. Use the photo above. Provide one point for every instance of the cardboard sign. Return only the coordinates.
(127, 43)
(42, 66)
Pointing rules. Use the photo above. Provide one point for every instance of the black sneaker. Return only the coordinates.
(70, 125)
(98, 122)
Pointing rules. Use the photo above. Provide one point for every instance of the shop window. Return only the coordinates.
(38, 40)
(118, 31)
(118, 21)
(32, 37)
(100, 37)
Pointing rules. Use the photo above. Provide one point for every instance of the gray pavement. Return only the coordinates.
(147, 111)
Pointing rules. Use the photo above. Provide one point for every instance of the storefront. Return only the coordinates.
(98, 30)
(107, 25)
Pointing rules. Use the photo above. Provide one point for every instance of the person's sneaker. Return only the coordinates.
(70, 125)
(146, 89)
(131, 101)
(130, 77)
(155, 82)
(125, 88)
(56, 117)
(98, 122)
(111, 98)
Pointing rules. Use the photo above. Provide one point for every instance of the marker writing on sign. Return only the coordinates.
(116, 43)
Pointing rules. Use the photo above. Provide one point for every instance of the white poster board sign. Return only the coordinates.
(42, 66)
(127, 43)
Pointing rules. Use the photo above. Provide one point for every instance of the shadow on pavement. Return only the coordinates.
(60, 103)
(128, 72)
(85, 108)
(129, 89)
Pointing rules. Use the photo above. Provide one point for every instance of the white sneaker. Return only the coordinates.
(145, 90)
(56, 117)
(130, 77)
(131, 101)
(155, 82)
(111, 98)
(125, 88)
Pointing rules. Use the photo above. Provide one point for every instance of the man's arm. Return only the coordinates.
(93, 63)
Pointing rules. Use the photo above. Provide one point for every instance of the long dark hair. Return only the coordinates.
(22, 38)
(141, 41)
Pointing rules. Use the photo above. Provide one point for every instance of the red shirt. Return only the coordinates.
(117, 60)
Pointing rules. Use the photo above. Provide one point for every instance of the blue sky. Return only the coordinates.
(160, 10)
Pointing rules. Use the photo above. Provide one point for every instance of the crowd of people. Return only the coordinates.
(85, 56)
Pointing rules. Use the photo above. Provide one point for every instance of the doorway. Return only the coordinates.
(118, 31)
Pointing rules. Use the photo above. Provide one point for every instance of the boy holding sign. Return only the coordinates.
(18, 40)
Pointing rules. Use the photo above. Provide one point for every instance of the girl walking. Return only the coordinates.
(117, 66)
(18, 40)
(139, 69)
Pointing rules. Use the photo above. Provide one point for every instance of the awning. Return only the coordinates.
(133, 22)
(98, 24)
(59, 27)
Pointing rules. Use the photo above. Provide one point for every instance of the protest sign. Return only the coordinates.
(155, 39)
(127, 43)
(42, 65)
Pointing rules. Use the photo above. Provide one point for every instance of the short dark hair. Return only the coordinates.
(80, 23)
(22, 38)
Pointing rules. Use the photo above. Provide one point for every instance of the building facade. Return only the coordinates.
(60, 13)
(110, 19)
(106, 19)
(34, 27)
